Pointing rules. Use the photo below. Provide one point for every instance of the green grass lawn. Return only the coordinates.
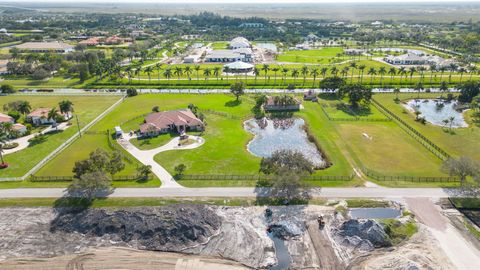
(220, 45)
(86, 108)
(463, 142)
(54, 82)
(321, 56)
(341, 110)
(388, 150)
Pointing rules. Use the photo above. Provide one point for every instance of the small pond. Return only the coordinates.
(268, 46)
(281, 252)
(436, 111)
(279, 134)
(375, 213)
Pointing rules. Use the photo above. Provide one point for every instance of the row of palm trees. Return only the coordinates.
(352, 70)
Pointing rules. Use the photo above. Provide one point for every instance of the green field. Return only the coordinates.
(322, 56)
(86, 108)
(462, 142)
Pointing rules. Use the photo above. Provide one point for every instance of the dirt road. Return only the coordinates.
(459, 250)
(122, 258)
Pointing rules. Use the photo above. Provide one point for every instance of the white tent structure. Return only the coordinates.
(239, 42)
(238, 67)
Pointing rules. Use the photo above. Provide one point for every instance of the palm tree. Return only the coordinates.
(178, 71)
(265, 68)
(149, 71)
(442, 70)
(323, 71)
(472, 70)
(4, 136)
(452, 68)
(314, 74)
(188, 71)
(167, 73)
(392, 71)
(227, 71)
(419, 88)
(353, 65)
(443, 87)
(304, 71)
(197, 69)
(65, 106)
(284, 72)
(382, 72)
(411, 70)
(432, 68)
(372, 72)
(138, 71)
(344, 71)
(275, 70)
(52, 114)
(461, 71)
(24, 107)
(129, 73)
(294, 75)
(158, 67)
(256, 72)
(334, 71)
(422, 69)
(216, 71)
(361, 69)
(207, 72)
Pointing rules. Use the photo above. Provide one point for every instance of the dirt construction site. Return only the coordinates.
(214, 237)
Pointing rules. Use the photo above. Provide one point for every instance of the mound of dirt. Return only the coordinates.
(364, 230)
(172, 228)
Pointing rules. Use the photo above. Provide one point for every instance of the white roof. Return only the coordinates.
(239, 42)
(239, 65)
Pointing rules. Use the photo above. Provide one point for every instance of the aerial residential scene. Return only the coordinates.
(219, 134)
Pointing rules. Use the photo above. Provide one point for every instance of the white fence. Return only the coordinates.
(64, 145)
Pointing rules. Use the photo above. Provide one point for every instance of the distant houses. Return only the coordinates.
(42, 47)
(418, 59)
(179, 121)
(17, 127)
(281, 103)
(39, 116)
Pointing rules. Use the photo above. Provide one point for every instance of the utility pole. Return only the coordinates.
(78, 126)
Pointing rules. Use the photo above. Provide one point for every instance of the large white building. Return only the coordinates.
(239, 42)
(41, 47)
(416, 59)
(227, 56)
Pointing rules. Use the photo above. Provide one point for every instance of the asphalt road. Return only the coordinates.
(374, 192)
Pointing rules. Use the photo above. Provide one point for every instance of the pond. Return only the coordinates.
(281, 134)
(436, 111)
(374, 213)
(281, 252)
(268, 46)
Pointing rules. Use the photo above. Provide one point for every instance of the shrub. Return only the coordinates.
(131, 92)
(7, 89)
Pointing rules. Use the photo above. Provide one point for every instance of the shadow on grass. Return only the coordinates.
(328, 96)
(358, 111)
(233, 103)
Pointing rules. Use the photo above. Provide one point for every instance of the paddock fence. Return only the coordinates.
(405, 178)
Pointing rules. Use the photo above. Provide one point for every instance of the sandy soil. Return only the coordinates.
(122, 258)
(462, 254)
(421, 251)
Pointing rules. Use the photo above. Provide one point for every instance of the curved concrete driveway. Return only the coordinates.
(147, 156)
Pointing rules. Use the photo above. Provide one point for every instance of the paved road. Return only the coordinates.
(388, 193)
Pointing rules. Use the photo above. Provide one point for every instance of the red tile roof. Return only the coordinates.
(5, 118)
(163, 120)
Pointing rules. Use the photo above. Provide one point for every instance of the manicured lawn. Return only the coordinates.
(388, 150)
(310, 56)
(463, 142)
(220, 45)
(151, 143)
(54, 82)
(342, 110)
(86, 108)
(62, 164)
(154, 182)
